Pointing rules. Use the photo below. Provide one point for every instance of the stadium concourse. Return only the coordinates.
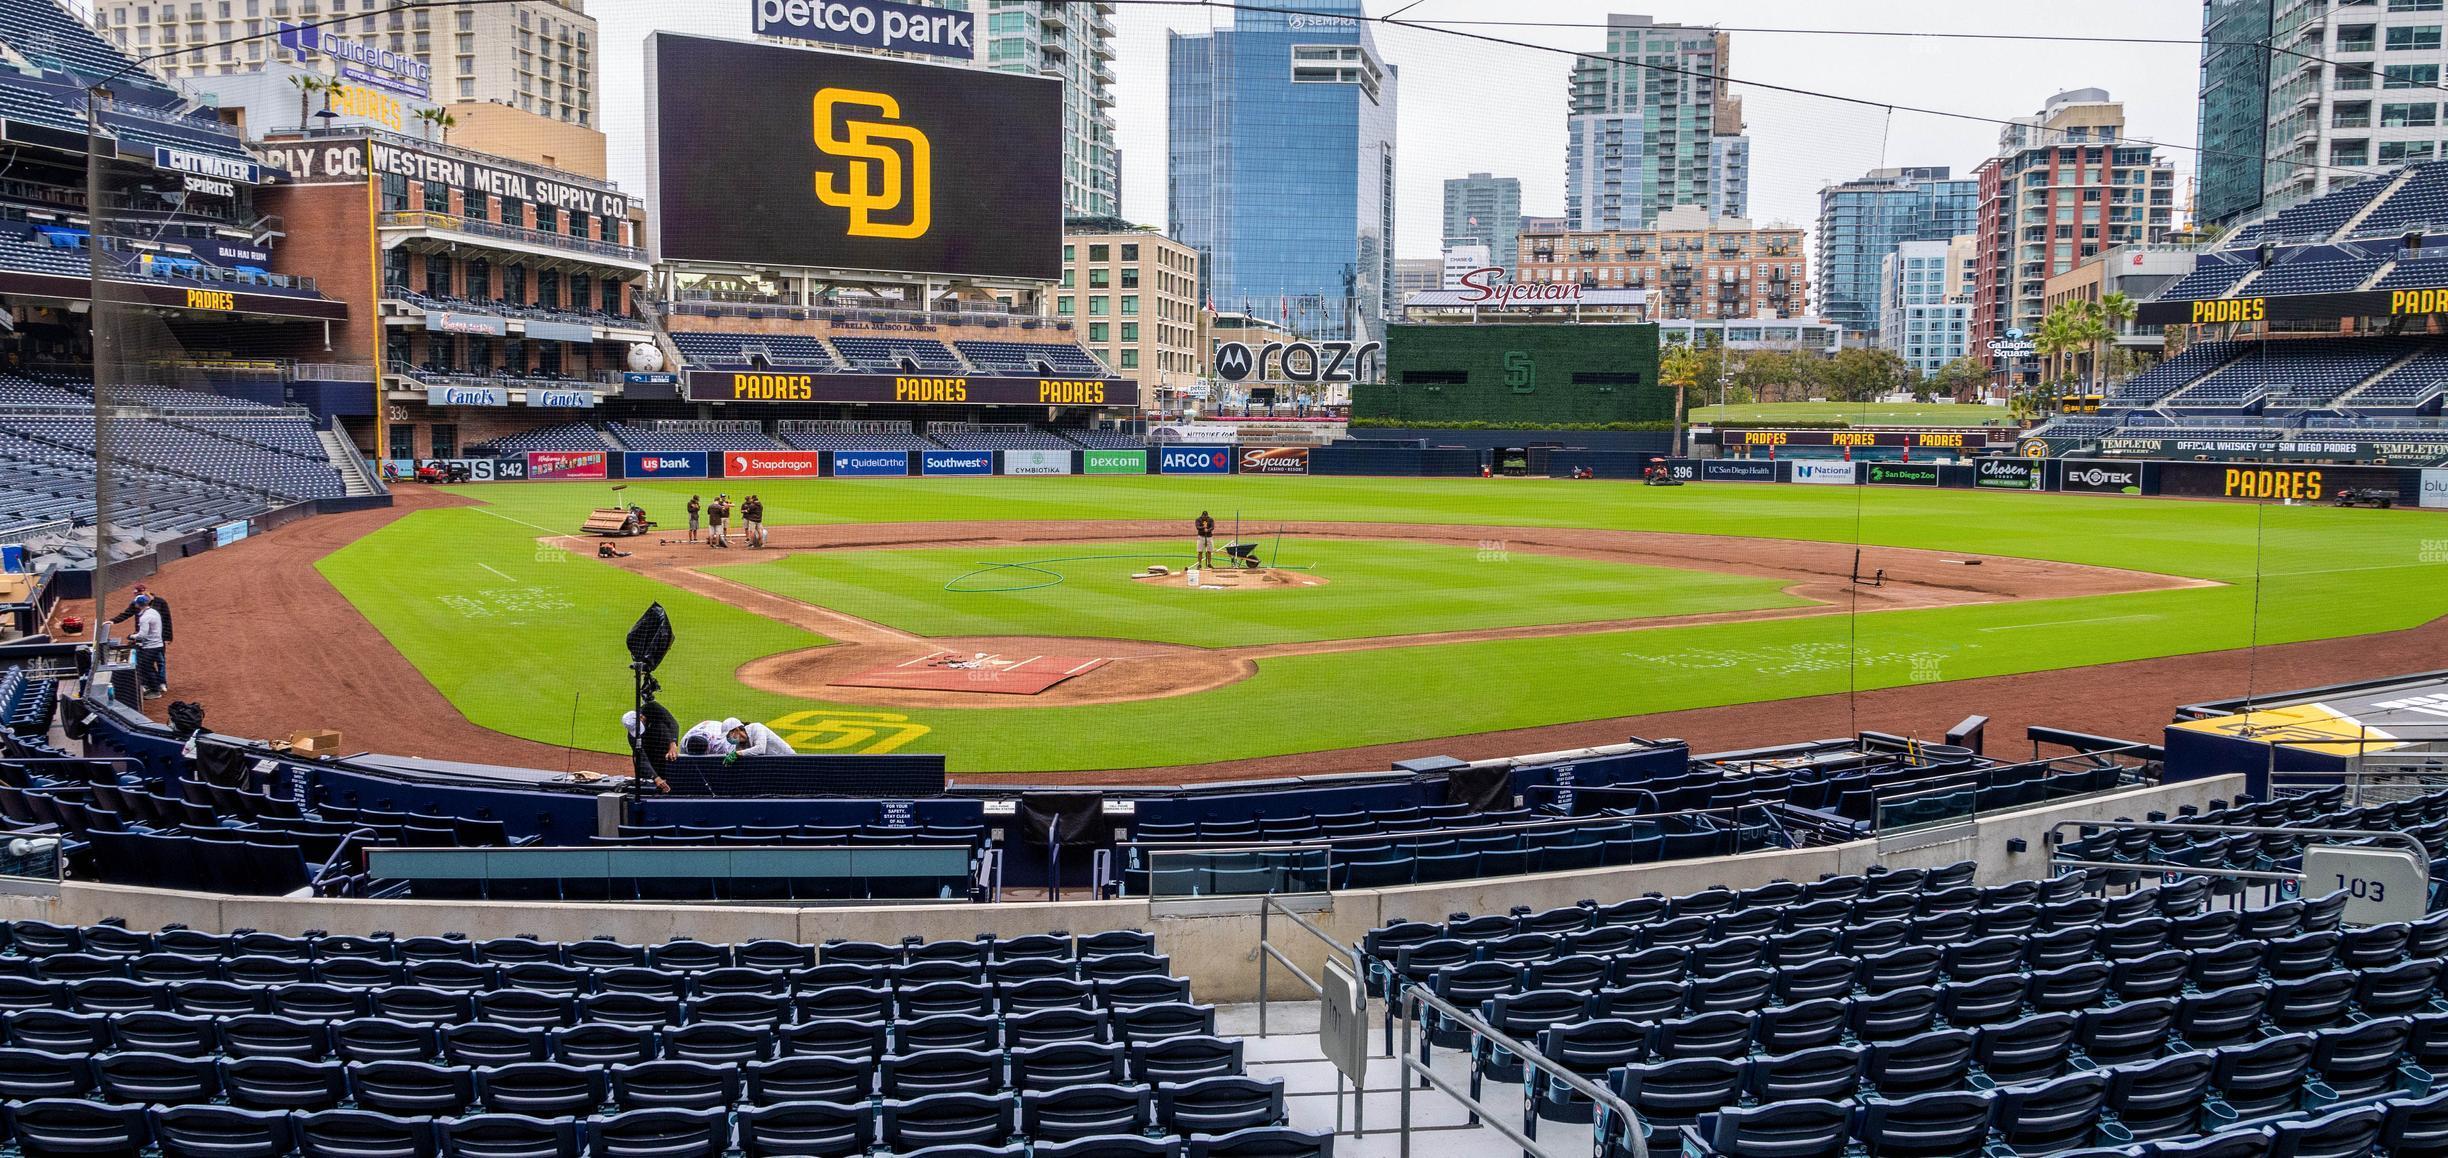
(335, 670)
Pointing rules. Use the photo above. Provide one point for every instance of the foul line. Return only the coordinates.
(521, 522)
(497, 571)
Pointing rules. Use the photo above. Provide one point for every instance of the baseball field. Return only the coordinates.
(1395, 610)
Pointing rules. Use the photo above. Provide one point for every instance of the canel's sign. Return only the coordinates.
(1489, 286)
(1298, 361)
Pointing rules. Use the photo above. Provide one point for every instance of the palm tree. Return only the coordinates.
(307, 84)
(440, 121)
(1681, 368)
(2111, 313)
(2058, 336)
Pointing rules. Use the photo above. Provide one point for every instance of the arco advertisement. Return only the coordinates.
(1113, 462)
(871, 463)
(1194, 460)
(935, 462)
(664, 464)
(549, 464)
(1037, 462)
(771, 463)
(1275, 460)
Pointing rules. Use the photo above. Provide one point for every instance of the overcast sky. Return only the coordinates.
(1472, 106)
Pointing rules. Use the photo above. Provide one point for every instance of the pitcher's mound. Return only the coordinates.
(982, 671)
(1213, 579)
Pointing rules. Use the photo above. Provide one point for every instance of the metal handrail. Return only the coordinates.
(1268, 903)
(1414, 996)
(456, 223)
(2055, 841)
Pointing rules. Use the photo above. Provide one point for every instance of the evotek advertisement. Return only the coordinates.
(2101, 478)
(770, 156)
(908, 389)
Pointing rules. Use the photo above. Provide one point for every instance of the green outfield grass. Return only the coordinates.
(512, 638)
(1373, 588)
(1856, 413)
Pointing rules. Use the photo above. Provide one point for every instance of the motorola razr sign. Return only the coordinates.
(1299, 361)
(871, 24)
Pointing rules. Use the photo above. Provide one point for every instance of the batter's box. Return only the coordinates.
(964, 671)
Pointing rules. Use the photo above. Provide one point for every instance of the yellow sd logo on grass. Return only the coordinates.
(871, 733)
(880, 179)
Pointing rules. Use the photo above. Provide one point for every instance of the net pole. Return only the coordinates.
(105, 356)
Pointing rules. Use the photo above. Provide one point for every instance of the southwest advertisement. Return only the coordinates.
(1275, 460)
(568, 464)
(1037, 462)
(771, 463)
(847, 161)
(955, 462)
(1113, 462)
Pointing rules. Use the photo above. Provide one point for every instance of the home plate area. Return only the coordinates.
(963, 671)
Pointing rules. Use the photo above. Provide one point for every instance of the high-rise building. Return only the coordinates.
(1150, 331)
(1280, 165)
(2235, 107)
(537, 56)
(1652, 126)
(1693, 267)
(1072, 40)
(2064, 185)
(1416, 275)
(2327, 90)
(1862, 221)
(1924, 315)
(1486, 209)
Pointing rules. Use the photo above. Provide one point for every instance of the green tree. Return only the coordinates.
(308, 84)
(1960, 379)
(1682, 368)
(1861, 374)
(2108, 317)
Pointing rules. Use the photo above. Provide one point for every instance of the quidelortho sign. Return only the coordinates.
(2008, 474)
(1037, 462)
(870, 463)
(871, 24)
(2435, 487)
(1113, 462)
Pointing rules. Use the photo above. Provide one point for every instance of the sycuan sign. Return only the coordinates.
(1490, 287)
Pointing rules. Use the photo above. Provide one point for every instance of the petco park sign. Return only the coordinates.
(1490, 287)
(871, 24)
